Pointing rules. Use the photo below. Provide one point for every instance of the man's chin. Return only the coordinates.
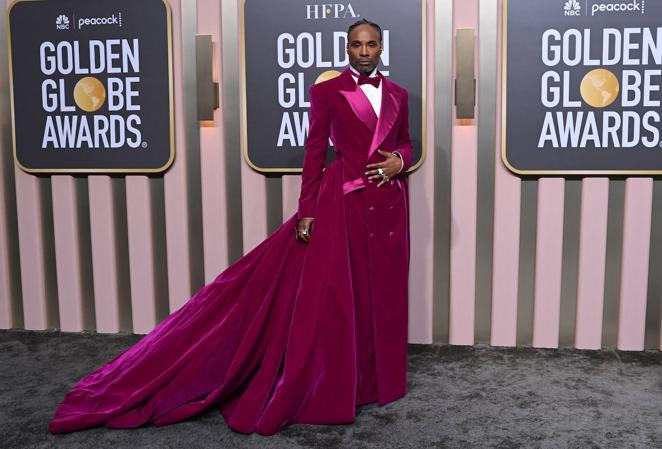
(364, 69)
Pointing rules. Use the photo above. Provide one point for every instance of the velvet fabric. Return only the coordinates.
(291, 332)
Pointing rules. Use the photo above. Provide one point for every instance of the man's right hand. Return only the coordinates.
(305, 229)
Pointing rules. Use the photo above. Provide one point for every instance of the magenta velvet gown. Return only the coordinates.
(289, 333)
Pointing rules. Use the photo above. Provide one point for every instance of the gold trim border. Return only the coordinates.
(504, 71)
(243, 121)
(94, 170)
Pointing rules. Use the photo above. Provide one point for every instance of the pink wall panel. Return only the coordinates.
(505, 255)
(591, 270)
(634, 263)
(549, 261)
(463, 235)
(291, 189)
(67, 253)
(139, 211)
(105, 257)
(32, 244)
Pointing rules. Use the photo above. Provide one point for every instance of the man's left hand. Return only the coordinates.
(391, 167)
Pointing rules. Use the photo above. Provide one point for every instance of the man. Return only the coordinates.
(297, 330)
(364, 47)
(366, 116)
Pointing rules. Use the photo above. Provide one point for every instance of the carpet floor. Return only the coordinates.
(458, 397)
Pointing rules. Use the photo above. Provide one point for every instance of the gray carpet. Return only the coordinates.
(459, 397)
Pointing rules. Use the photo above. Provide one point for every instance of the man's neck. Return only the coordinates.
(370, 74)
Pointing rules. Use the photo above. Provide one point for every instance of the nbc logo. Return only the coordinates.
(572, 8)
(62, 22)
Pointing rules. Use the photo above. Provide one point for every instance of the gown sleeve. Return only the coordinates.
(317, 143)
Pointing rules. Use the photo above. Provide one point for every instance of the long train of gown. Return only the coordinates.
(271, 341)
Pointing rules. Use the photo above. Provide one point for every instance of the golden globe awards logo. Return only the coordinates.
(91, 85)
(583, 93)
(626, 94)
(66, 124)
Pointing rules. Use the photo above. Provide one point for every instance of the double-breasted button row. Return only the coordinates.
(390, 234)
(372, 208)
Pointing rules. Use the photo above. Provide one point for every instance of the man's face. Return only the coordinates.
(363, 48)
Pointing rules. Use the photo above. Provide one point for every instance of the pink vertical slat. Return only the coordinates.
(505, 257)
(139, 212)
(212, 151)
(549, 260)
(104, 254)
(463, 234)
(31, 246)
(464, 185)
(592, 257)
(421, 204)
(291, 188)
(253, 207)
(176, 183)
(634, 268)
(67, 255)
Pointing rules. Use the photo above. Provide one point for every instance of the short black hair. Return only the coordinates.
(365, 22)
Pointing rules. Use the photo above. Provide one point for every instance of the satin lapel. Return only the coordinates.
(358, 101)
(388, 113)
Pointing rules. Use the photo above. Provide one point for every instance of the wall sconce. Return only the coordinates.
(206, 87)
(465, 82)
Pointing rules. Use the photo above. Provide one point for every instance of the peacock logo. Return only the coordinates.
(572, 8)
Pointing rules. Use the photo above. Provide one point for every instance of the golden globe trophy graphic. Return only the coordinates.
(89, 94)
(599, 88)
(327, 75)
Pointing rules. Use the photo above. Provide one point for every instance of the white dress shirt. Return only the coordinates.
(373, 93)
